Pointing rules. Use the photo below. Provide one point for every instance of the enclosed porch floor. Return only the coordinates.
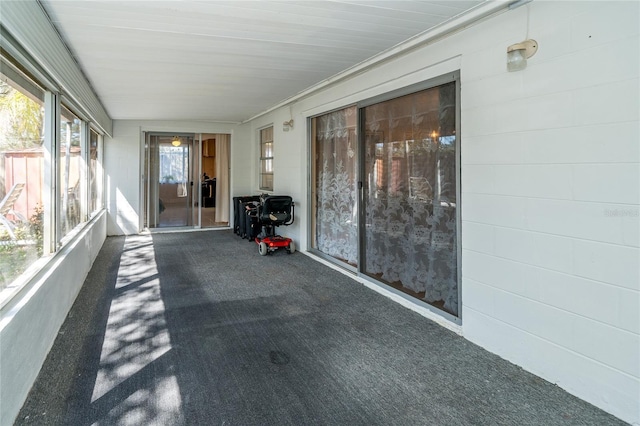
(197, 328)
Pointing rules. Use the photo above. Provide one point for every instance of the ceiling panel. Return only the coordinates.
(228, 60)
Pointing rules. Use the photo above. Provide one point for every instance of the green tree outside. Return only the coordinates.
(20, 120)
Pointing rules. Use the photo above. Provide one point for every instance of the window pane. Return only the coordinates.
(410, 195)
(174, 162)
(266, 181)
(70, 161)
(267, 166)
(267, 149)
(21, 180)
(266, 135)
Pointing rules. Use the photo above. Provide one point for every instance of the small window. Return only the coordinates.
(266, 159)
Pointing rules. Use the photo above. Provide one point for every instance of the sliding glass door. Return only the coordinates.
(403, 179)
(410, 197)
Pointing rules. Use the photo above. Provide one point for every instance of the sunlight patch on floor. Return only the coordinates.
(136, 337)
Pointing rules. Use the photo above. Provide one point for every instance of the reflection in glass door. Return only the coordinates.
(169, 183)
(410, 195)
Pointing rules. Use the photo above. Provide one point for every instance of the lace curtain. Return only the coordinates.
(336, 232)
(410, 195)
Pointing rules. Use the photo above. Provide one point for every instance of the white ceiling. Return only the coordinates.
(228, 60)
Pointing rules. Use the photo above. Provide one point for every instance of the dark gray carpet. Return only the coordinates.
(198, 329)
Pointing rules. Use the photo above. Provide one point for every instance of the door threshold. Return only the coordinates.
(184, 229)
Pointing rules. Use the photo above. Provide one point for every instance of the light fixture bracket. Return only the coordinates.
(530, 47)
(287, 125)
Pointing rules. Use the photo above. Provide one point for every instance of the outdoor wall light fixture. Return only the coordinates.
(287, 125)
(176, 141)
(517, 54)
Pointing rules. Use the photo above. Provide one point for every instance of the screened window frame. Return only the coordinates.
(17, 72)
(99, 174)
(79, 192)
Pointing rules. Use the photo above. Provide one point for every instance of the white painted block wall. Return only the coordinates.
(550, 202)
(550, 187)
